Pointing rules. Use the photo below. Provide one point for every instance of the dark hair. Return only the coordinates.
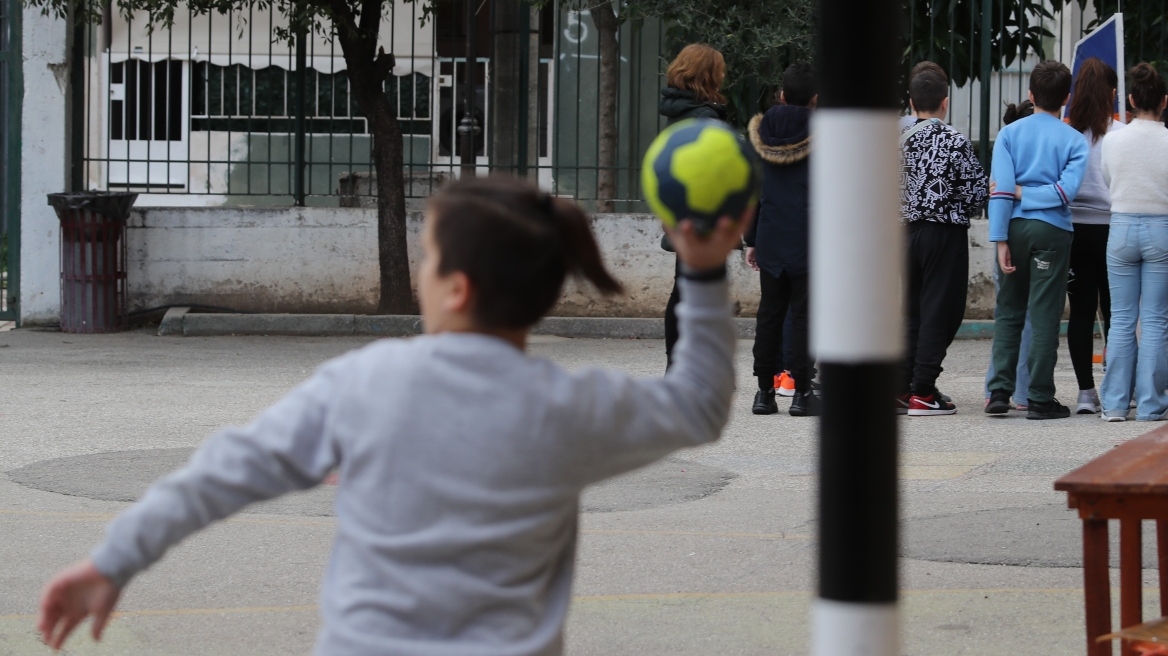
(1015, 112)
(1093, 104)
(516, 244)
(1050, 83)
(927, 90)
(1146, 87)
(926, 65)
(799, 85)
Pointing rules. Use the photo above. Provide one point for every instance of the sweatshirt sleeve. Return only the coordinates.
(284, 449)
(751, 235)
(631, 422)
(1002, 200)
(1061, 193)
(970, 180)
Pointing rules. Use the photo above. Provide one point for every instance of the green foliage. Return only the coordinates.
(1145, 29)
(949, 32)
(758, 39)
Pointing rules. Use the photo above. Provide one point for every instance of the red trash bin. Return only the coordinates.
(93, 259)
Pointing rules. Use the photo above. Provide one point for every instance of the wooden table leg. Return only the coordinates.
(1162, 563)
(1096, 585)
(1131, 556)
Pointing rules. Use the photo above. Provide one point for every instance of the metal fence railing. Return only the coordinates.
(1017, 34)
(10, 80)
(207, 111)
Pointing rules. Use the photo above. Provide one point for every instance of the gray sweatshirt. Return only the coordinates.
(1093, 202)
(461, 462)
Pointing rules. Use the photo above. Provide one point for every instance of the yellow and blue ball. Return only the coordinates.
(702, 170)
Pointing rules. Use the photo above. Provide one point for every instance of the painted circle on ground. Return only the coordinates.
(125, 476)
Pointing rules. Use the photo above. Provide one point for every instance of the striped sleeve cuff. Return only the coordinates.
(1002, 195)
(1062, 194)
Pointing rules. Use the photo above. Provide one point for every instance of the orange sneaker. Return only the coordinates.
(784, 384)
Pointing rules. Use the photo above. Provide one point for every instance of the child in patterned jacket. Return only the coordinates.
(942, 186)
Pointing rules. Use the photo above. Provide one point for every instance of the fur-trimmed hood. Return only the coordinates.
(782, 136)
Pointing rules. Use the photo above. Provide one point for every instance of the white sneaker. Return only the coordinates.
(1112, 418)
(1088, 402)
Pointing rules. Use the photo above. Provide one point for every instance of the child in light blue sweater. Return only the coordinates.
(1039, 163)
(461, 458)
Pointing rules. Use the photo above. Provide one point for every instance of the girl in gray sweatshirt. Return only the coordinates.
(461, 458)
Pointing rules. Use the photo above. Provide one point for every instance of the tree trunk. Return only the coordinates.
(607, 26)
(392, 252)
(396, 295)
(368, 67)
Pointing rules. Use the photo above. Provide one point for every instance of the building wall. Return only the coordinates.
(43, 164)
(325, 260)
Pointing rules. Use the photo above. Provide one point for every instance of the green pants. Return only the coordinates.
(1041, 255)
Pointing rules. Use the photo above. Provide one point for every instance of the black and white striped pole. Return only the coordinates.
(857, 247)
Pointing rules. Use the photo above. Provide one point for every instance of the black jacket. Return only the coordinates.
(780, 234)
(678, 105)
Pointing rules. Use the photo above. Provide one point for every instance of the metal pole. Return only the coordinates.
(524, 90)
(987, 25)
(469, 128)
(77, 101)
(857, 255)
(301, 104)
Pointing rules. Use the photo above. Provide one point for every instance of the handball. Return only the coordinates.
(702, 170)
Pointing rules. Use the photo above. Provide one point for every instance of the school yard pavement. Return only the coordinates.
(710, 552)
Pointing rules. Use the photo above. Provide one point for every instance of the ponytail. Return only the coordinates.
(1019, 111)
(581, 253)
(516, 245)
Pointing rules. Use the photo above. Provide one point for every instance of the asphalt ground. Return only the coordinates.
(709, 552)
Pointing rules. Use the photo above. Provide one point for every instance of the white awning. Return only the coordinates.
(249, 40)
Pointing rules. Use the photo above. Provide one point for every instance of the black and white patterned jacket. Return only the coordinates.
(941, 179)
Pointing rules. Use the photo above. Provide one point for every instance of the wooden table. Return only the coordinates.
(1128, 483)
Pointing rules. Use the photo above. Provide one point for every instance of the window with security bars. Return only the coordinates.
(148, 105)
(240, 99)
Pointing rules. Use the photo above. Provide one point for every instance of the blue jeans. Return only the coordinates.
(1022, 381)
(1137, 269)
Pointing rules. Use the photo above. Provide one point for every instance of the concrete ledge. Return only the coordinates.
(172, 322)
(180, 321)
(387, 325)
(207, 325)
(983, 329)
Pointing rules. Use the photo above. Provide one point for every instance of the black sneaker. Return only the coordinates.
(764, 403)
(1049, 410)
(806, 404)
(999, 403)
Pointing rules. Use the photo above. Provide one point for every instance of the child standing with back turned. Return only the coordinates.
(461, 458)
(1038, 165)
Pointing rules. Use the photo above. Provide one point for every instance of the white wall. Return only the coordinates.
(42, 164)
(325, 260)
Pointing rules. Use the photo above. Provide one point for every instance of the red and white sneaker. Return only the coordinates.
(785, 385)
(928, 406)
(902, 403)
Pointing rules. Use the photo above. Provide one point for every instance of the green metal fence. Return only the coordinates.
(217, 110)
(989, 47)
(11, 86)
(213, 110)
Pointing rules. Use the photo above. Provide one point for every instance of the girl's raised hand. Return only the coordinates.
(705, 252)
(74, 594)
